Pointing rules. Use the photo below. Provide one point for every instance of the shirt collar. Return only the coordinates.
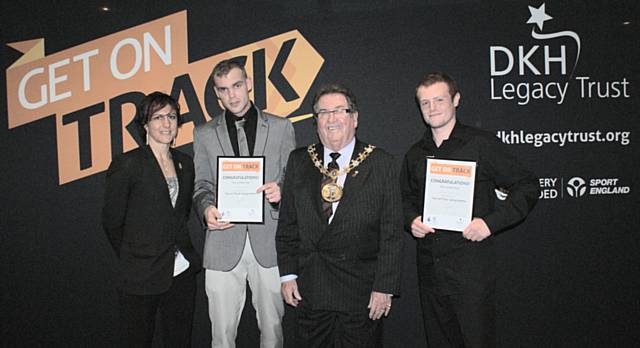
(457, 133)
(345, 154)
(250, 115)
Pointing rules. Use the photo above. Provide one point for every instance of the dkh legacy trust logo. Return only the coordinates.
(527, 72)
(92, 88)
(576, 187)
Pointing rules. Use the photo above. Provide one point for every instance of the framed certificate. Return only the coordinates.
(448, 194)
(238, 180)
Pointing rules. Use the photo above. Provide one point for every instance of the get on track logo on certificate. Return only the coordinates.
(448, 194)
(238, 181)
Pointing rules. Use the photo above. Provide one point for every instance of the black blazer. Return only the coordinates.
(339, 264)
(142, 225)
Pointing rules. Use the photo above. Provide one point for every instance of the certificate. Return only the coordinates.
(448, 194)
(238, 180)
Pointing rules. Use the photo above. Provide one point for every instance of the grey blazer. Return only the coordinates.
(275, 139)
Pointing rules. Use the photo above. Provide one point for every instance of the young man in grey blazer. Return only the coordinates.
(237, 253)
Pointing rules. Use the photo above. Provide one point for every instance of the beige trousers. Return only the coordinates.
(226, 292)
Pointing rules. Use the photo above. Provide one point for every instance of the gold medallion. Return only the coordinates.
(331, 192)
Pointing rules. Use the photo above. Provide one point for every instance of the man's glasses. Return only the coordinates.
(337, 112)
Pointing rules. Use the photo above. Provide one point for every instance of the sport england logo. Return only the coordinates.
(92, 89)
(576, 187)
(539, 72)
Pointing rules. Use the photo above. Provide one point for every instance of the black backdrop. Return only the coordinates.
(568, 276)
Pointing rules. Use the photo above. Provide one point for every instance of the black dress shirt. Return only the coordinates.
(249, 128)
(453, 264)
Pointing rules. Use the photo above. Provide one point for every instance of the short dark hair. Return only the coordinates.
(222, 68)
(152, 103)
(335, 88)
(435, 77)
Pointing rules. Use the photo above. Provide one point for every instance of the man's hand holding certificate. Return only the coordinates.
(448, 196)
(240, 191)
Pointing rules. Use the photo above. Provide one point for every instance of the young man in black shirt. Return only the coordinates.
(456, 271)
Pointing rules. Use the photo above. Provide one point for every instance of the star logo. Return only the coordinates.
(538, 16)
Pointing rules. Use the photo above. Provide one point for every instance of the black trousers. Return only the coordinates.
(175, 308)
(458, 320)
(332, 329)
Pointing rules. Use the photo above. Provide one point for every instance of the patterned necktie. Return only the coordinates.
(243, 146)
(333, 165)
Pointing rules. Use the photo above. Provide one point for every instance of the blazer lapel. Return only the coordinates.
(311, 188)
(262, 133)
(177, 164)
(157, 176)
(315, 182)
(223, 135)
(353, 183)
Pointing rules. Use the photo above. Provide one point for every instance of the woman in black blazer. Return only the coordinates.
(147, 204)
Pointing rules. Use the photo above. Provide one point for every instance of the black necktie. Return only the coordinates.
(333, 165)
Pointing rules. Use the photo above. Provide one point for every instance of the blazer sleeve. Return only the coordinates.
(288, 144)
(117, 189)
(287, 234)
(389, 266)
(205, 180)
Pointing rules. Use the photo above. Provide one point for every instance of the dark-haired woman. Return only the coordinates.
(147, 204)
